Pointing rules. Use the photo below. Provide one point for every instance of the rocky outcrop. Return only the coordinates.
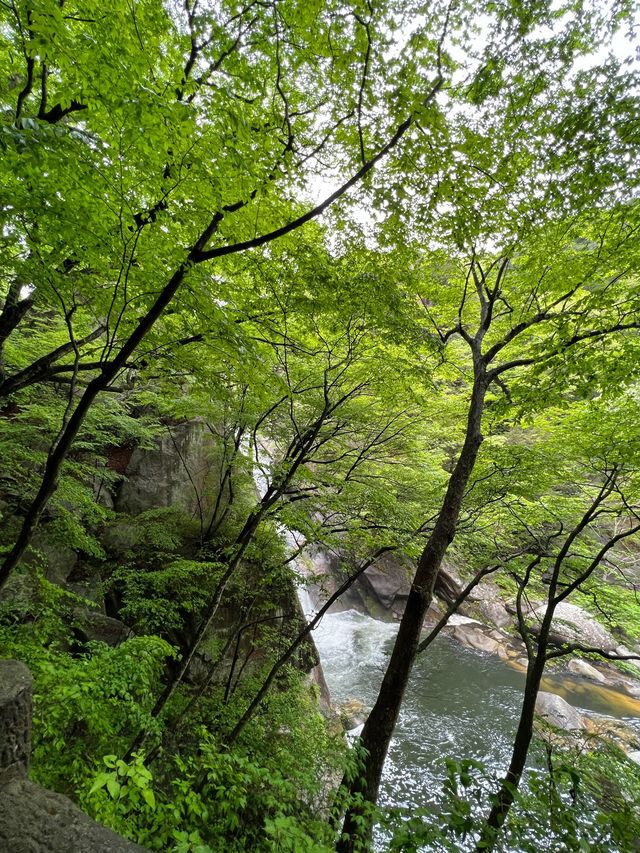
(381, 591)
(180, 471)
(559, 713)
(33, 819)
(573, 624)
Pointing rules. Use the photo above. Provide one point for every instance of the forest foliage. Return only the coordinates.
(384, 256)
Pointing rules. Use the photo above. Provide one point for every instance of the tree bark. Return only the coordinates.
(378, 729)
(509, 785)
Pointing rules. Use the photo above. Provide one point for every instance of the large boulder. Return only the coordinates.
(475, 635)
(485, 602)
(559, 713)
(93, 625)
(573, 624)
(585, 670)
(35, 820)
(386, 584)
(381, 591)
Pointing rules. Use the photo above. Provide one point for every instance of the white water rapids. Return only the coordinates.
(459, 703)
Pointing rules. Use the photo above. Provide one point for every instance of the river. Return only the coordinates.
(459, 703)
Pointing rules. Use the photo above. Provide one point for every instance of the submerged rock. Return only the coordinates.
(353, 714)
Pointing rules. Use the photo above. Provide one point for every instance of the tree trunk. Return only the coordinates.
(59, 453)
(378, 729)
(509, 785)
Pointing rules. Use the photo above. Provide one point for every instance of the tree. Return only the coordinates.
(599, 513)
(508, 324)
(120, 195)
(153, 183)
(317, 422)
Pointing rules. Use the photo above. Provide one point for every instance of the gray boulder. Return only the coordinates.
(559, 713)
(572, 624)
(94, 625)
(585, 670)
(35, 820)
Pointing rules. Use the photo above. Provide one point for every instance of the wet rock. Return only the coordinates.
(388, 582)
(585, 670)
(381, 591)
(448, 584)
(559, 713)
(474, 635)
(353, 713)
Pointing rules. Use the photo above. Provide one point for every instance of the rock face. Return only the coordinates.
(385, 585)
(485, 601)
(559, 713)
(16, 686)
(177, 472)
(33, 819)
(381, 591)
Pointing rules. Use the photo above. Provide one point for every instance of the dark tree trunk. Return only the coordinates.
(509, 785)
(59, 453)
(378, 729)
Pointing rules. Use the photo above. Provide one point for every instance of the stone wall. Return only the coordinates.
(33, 819)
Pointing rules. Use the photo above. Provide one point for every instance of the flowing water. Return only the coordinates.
(459, 703)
